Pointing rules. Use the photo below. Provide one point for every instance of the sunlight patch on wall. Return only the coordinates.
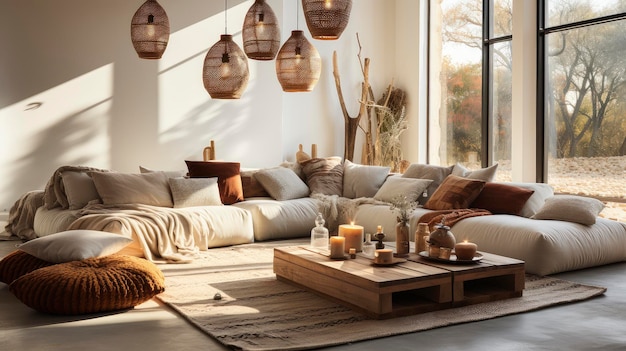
(67, 124)
(185, 108)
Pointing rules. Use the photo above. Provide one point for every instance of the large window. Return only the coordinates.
(581, 91)
(470, 70)
(584, 97)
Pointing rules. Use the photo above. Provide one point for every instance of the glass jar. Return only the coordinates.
(368, 246)
(319, 234)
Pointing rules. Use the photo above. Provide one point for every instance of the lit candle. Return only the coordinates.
(465, 250)
(354, 236)
(337, 244)
(383, 256)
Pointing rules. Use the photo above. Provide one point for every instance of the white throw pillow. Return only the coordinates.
(131, 188)
(486, 174)
(395, 186)
(282, 183)
(75, 245)
(571, 208)
(362, 180)
(188, 192)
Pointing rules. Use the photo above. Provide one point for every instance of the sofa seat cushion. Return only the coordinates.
(547, 246)
(274, 219)
(47, 222)
(172, 234)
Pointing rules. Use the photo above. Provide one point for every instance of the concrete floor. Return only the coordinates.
(597, 324)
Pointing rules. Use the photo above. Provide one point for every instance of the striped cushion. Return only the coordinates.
(93, 285)
(18, 263)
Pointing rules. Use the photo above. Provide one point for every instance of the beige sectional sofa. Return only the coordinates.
(342, 191)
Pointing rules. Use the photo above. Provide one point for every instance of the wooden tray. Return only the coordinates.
(477, 257)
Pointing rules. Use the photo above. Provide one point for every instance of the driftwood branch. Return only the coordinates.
(351, 123)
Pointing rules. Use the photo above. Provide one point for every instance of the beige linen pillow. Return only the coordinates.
(422, 171)
(130, 188)
(571, 208)
(188, 192)
(170, 174)
(395, 186)
(362, 180)
(324, 175)
(79, 189)
(282, 183)
(455, 193)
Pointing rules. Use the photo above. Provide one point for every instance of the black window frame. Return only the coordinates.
(542, 32)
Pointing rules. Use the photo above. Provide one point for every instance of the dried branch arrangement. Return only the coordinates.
(385, 122)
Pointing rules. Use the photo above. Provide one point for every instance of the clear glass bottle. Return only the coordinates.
(319, 234)
(368, 246)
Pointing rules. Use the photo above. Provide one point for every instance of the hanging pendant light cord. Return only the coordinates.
(297, 18)
(225, 16)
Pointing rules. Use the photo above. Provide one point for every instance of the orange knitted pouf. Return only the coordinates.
(18, 263)
(93, 285)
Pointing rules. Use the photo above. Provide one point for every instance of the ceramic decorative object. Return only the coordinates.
(420, 234)
(442, 236)
(379, 236)
(402, 239)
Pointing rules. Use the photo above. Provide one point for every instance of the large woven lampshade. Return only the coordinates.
(261, 33)
(298, 64)
(150, 30)
(225, 73)
(326, 19)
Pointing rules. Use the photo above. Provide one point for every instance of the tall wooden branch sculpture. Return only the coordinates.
(351, 123)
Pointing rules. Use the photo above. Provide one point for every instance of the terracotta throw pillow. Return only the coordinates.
(324, 175)
(228, 178)
(502, 198)
(454, 193)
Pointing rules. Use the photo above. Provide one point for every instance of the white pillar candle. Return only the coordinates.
(354, 236)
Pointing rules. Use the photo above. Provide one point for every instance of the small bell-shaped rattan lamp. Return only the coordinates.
(261, 33)
(225, 74)
(326, 19)
(150, 30)
(298, 64)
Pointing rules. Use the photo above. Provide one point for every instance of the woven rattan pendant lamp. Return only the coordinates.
(298, 64)
(225, 73)
(150, 30)
(261, 33)
(326, 19)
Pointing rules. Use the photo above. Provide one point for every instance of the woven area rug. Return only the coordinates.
(257, 312)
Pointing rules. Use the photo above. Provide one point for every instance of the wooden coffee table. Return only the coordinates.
(415, 286)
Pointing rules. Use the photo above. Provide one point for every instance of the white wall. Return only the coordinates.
(102, 106)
